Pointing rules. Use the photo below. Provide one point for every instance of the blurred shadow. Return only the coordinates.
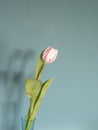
(13, 82)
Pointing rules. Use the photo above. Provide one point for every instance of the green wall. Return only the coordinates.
(71, 26)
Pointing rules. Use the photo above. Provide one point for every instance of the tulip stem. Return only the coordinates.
(40, 72)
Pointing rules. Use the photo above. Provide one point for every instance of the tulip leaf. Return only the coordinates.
(33, 88)
(42, 93)
(39, 66)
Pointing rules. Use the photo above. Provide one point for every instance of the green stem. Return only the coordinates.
(28, 118)
(29, 122)
(29, 125)
(40, 72)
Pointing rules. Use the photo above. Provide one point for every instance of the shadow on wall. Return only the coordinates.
(11, 87)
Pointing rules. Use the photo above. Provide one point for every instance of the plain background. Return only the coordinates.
(71, 26)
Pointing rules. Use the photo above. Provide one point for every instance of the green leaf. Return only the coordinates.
(33, 88)
(39, 66)
(42, 93)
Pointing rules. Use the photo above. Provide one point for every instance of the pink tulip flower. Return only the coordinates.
(49, 55)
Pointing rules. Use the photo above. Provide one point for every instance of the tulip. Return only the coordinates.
(49, 55)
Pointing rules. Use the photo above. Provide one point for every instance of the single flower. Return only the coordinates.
(49, 55)
(35, 88)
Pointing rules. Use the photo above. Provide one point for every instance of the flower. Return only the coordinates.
(49, 55)
(35, 88)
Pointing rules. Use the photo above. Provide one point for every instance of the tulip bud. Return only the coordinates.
(49, 55)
